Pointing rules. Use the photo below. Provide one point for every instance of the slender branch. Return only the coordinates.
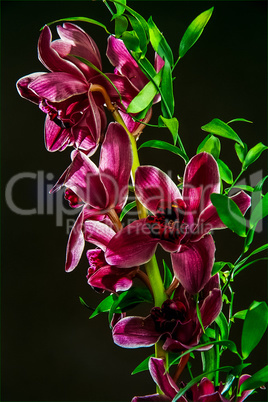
(109, 8)
(174, 284)
(102, 90)
(115, 219)
(183, 361)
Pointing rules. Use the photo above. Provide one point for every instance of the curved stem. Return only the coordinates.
(115, 219)
(174, 284)
(183, 361)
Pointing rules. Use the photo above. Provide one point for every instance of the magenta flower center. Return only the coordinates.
(166, 224)
(167, 316)
(72, 198)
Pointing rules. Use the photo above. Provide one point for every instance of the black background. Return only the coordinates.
(50, 350)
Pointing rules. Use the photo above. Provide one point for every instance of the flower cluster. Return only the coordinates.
(75, 95)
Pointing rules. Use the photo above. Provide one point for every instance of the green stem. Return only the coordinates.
(217, 356)
(109, 8)
(153, 273)
(227, 190)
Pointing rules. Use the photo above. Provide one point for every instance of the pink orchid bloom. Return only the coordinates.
(99, 189)
(125, 65)
(102, 276)
(180, 223)
(175, 322)
(75, 115)
(203, 392)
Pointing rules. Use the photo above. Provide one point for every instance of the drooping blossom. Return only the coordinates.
(203, 392)
(102, 276)
(176, 322)
(125, 65)
(99, 189)
(75, 115)
(180, 223)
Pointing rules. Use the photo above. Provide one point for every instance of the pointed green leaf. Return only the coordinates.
(256, 380)
(143, 366)
(121, 24)
(131, 41)
(229, 213)
(249, 238)
(253, 154)
(241, 151)
(209, 362)
(222, 323)
(240, 314)
(164, 145)
(127, 208)
(138, 28)
(239, 119)
(167, 106)
(247, 265)
(84, 19)
(217, 266)
(225, 173)
(145, 96)
(211, 145)
(104, 306)
(260, 211)
(172, 125)
(244, 187)
(254, 327)
(159, 43)
(258, 250)
(167, 275)
(218, 127)
(120, 7)
(194, 31)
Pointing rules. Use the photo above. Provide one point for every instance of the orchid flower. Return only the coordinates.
(75, 115)
(176, 322)
(180, 223)
(101, 190)
(203, 392)
(125, 65)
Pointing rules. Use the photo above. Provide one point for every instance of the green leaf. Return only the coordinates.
(127, 208)
(209, 362)
(217, 266)
(249, 238)
(143, 366)
(239, 119)
(254, 327)
(260, 211)
(167, 107)
(167, 275)
(131, 41)
(259, 186)
(210, 144)
(138, 28)
(258, 250)
(104, 306)
(229, 213)
(225, 173)
(253, 154)
(194, 31)
(145, 96)
(197, 379)
(222, 323)
(84, 19)
(240, 314)
(218, 127)
(159, 43)
(172, 125)
(85, 304)
(241, 151)
(247, 265)
(129, 299)
(164, 145)
(256, 380)
(244, 187)
(120, 7)
(237, 370)
(121, 24)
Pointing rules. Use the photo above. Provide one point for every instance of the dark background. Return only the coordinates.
(50, 350)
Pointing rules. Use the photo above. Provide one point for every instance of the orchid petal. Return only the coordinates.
(112, 279)
(56, 138)
(246, 393)
(211, 307)
(132, 246)
(23, 87)
(193, 263)
(135, 332)
(162, 378)
(98, 233)
(75, 244)
(115, 164)
(120, 58)
(210, 220)
(201, 179)
(57, 87)
(153, 185)
(51, 59)
(83, 178)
